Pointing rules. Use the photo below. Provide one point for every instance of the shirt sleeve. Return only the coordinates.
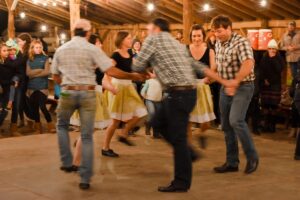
(245, 51)
(54, 64)
(101, 60)
(141, 62)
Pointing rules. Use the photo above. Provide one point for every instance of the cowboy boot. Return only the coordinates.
(51, 127)
(14, 130)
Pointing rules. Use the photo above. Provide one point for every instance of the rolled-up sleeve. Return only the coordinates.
(54, 64)
(101, 60)
(141, 62)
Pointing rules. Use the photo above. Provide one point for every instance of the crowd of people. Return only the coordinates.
(214, 80)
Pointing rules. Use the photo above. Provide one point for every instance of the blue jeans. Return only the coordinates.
(233, 114)
(294, 67)
(85, 103)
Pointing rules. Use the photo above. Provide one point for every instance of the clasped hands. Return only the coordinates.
(231, 86)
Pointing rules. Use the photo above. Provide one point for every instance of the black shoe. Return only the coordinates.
(109, 153)
(172, 188)
(126, 141)
(84, 186)
(297, 158)
(251, 166)
(73, 168)
(226, 168)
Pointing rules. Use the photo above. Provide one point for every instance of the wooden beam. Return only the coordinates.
(74, 13)
(282, 23)
(11, 20)
(187, 19)
(14, 5)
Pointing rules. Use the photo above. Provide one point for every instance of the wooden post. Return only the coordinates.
(187, 19)
(74, 13)
(11, 20)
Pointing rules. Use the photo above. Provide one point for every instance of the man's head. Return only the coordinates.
(292, 26)
(158, 25)
(222, 27)
(82, 28)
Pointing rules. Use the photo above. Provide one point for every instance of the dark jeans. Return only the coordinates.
(254, 113)
(233, 112)
(215, 91)
(173, 119)
(152, 107)
(38, 101)
(294, 67)
(5, 95)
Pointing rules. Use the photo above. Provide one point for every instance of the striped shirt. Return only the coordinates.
(172, 65)
(230, 56)
(77, 60)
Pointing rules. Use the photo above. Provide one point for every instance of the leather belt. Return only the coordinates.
(181, 88)
(246, 82)
(79, 87)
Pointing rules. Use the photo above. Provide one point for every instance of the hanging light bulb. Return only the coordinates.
(150, 7)
(22, 15)
(54, 3)
(63, 36)
(64, 3)
(35, 1)
(263, 3)
(206, 7)
(43, 28)
(45, 4)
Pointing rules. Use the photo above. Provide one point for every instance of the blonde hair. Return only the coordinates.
(31, 51)
(1, 46)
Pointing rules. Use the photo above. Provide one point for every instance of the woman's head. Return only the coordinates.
(36, 48)
(123, 40)
(95, 40)
(272, 48)
(197, 34)
(3, 52)
(136, 45)
(24, 41)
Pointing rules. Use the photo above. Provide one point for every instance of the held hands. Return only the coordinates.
(231, 86)
(139, 77)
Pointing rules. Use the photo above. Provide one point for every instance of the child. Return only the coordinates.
(38, 70)
(13, 52)
(295, 93)
(4, 83)
(152, 93)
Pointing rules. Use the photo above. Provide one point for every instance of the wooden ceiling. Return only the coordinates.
(135, 11)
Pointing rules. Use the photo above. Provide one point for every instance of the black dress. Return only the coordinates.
(123, 64)
(271, 68)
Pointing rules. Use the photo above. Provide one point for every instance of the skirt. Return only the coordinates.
(102, 118)
(270, 96)
(204, 109)
(127, 103)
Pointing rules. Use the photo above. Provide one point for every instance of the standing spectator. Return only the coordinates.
(291, 44)
(271, 66)
(235, 62)
(136, 47)
(73, 67)
(295, 94)
(38, 70)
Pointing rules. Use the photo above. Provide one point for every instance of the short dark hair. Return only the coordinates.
(221, 21)
(80, 32)
(121, 35)
(93, 38)
(197, 27)
(163, 24)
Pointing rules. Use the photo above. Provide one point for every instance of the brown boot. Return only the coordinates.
(51, 128)
(14, 130)
(38, 128)
(29, 128)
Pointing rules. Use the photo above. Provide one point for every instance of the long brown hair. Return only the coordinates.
(197, 27)
(31, 51)
(27, 38)
(2, 44)
(121, 35)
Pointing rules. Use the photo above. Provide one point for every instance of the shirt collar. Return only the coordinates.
(78, 38)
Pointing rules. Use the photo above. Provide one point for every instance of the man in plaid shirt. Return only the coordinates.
(175, 70)
(235, 62)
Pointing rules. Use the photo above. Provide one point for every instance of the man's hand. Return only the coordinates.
(231, 86)
(267, 83)
(206, 80)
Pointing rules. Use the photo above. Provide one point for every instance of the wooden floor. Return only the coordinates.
(29, 171)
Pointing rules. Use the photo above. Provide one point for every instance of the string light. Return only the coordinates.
(150, 7)
(22, 15)
(263, 3)
(206, 7)
(43, 28)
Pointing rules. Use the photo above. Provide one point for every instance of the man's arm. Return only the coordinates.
(54, 69)
(245, 70)
(119, 74)
(141, 62)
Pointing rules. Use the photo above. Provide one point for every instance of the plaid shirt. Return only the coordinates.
(230, 56)
(172, 65)
(77, 60)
